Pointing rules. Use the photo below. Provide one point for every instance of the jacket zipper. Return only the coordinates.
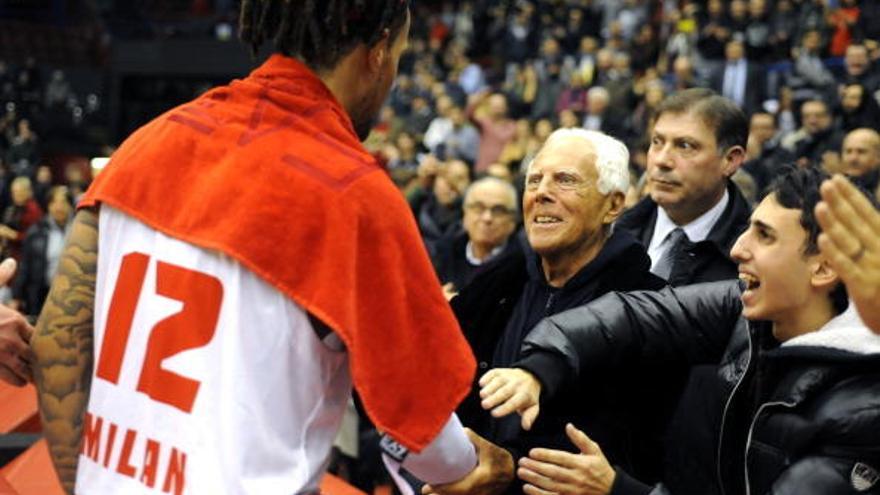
(726, 408)
(752, 429)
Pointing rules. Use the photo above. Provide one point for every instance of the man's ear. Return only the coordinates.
(733, 158)
(822, 275)
(377, 53)
(617, 203)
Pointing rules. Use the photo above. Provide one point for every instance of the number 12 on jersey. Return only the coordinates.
(192, 327)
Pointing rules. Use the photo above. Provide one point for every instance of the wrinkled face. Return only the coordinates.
(815, 117)
(856, 60)
(489, 214)
(772, 263)
(367, 112)
(563, 210)
(687, 173)
(861, 152)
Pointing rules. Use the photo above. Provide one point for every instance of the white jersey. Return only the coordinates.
(207, 380)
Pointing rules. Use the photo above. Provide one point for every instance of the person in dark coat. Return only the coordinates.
(574, 191)
(800, 372)
(490, 217)
(698, 141)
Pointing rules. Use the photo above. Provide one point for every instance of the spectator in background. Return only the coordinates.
(810, 78)
(860, 155)
(22, 154)
(764, 155)
(420, 116)
(407, 153)
(438, 210)
(490, 217)
(440, 126)
(40, 253)
(817, 135)
(463, 140)
(740, 80)
(19, 216)
(714, 31)
(758, 32)
(682, 76)
(601, 116)
(489, 113)
(858, 69)
(42, 186)
(858, 108)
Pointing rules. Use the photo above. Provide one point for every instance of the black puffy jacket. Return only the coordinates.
(800, 418)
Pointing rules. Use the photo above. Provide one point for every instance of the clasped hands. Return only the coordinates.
(504, 391)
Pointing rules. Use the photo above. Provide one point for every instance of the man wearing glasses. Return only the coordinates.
(574, 191)
(490, 216)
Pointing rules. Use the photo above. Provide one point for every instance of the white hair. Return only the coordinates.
(612, 157)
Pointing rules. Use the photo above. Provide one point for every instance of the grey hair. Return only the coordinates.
(612, 158)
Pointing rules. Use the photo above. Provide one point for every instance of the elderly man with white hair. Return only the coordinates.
(574, 191)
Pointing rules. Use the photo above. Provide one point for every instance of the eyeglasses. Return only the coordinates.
(495, 210)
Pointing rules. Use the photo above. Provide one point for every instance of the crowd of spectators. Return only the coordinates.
(484, 83)
(37, 192)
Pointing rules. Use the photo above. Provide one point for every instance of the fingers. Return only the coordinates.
(534, 490)
(11, 378)
(582, 441)
(850, 216)
(7, 270)
(529, 417)
(508, 401)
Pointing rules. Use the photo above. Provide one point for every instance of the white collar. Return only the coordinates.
(845, 332)
(696, 231)
(473, 260)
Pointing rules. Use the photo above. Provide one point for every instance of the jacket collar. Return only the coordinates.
(845, 332)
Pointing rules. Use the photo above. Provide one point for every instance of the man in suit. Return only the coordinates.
(689, 223)
(739, 79)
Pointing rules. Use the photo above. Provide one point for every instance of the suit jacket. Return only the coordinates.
(755, 90)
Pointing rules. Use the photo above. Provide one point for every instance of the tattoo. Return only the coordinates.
(62, 343)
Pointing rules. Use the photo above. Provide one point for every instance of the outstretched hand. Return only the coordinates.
(511, 390)
(548, 471)
(850, 241)
(15, 334)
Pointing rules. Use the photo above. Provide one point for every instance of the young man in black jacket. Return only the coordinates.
(800, 372)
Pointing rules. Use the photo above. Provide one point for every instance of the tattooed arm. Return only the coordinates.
(62, 343)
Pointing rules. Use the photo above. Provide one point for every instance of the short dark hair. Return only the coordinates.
(798, 188)
(729, 122)
(319, 32)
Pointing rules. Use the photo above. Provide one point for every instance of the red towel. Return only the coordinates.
(269, 171)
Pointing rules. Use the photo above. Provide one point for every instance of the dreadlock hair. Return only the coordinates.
(319, 32)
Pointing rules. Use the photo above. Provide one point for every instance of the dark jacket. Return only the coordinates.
(450, 258)
(697, 417)
(503, 303)
(803, 418)
(30, 285)
(707, 260)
